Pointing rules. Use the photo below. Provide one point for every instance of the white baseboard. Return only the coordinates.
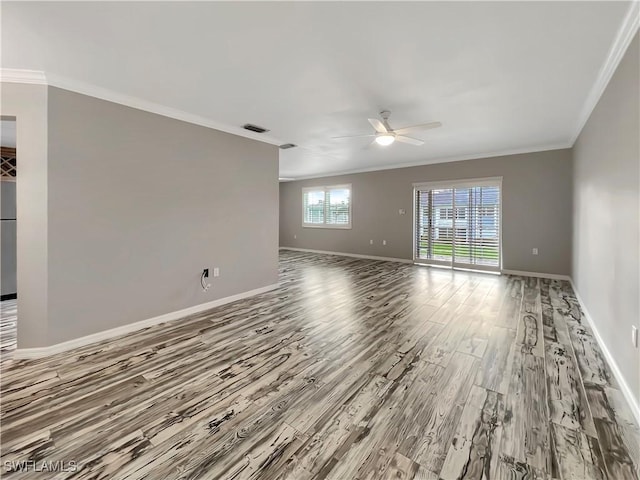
(26, 353)
(553, 276)
(522, 273)
(624, 386)
(354, 255)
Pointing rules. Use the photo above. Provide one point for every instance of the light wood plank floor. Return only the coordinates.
(352, 369)
(8, 327)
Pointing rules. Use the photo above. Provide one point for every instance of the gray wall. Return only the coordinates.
(139, 204)
(536, 209)
(606, 243)
(121, 210)
(8, 267)
(28, 104)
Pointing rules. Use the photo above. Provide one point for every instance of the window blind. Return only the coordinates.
(313, 207)
(328, 207)
(459, 225)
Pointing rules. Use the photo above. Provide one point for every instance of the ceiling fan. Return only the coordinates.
(385, 135)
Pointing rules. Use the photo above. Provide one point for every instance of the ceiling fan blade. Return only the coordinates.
(412, 141)
(378, 125)
(356, 136)
(416, 128)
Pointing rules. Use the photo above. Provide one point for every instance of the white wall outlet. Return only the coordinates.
(534, 251)
(295, 237)
(402, 211)
(370, 242)
(216, 272)
(384, 242)
(634, 336)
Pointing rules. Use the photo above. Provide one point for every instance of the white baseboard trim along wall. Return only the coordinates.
(26, 353)
(354, 255)
(624, 386)
(522, 273)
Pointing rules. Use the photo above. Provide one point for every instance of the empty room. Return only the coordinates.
(320, 240)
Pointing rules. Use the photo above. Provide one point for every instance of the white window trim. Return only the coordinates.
(328, 225)
(467, 182)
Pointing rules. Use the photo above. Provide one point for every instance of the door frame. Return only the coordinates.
(453, 184)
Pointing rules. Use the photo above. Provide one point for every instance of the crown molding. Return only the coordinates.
(65, 83)
(461, 158)
(623, 38)
(33, 77)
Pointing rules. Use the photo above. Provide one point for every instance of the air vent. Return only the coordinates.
(254, 128)
(284, 146)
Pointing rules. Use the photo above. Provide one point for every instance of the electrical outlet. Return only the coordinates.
(295, 237)
(216, 272)
(370, 242)
(402, 211)
(384, 242)
(534, 251)
(205, 273)
(634, 336)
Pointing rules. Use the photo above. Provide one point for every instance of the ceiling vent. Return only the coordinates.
(254, 128)
(284, 146)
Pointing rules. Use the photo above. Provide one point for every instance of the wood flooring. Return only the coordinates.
(351, 369)
(8, 329)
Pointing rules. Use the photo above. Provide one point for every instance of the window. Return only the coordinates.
(489, 212)
(444, 233)
(461, 233)
(446, 213)
(458, 223)
(327, 207)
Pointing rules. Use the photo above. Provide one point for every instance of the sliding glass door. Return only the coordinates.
(457, 224)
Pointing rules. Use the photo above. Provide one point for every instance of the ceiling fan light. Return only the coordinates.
(385, 140)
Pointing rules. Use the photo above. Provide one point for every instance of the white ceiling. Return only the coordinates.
(500, 76)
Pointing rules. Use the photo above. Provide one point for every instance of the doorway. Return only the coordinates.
(458, 224)
(8, 239)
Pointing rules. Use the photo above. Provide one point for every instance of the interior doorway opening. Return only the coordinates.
(8, 236)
